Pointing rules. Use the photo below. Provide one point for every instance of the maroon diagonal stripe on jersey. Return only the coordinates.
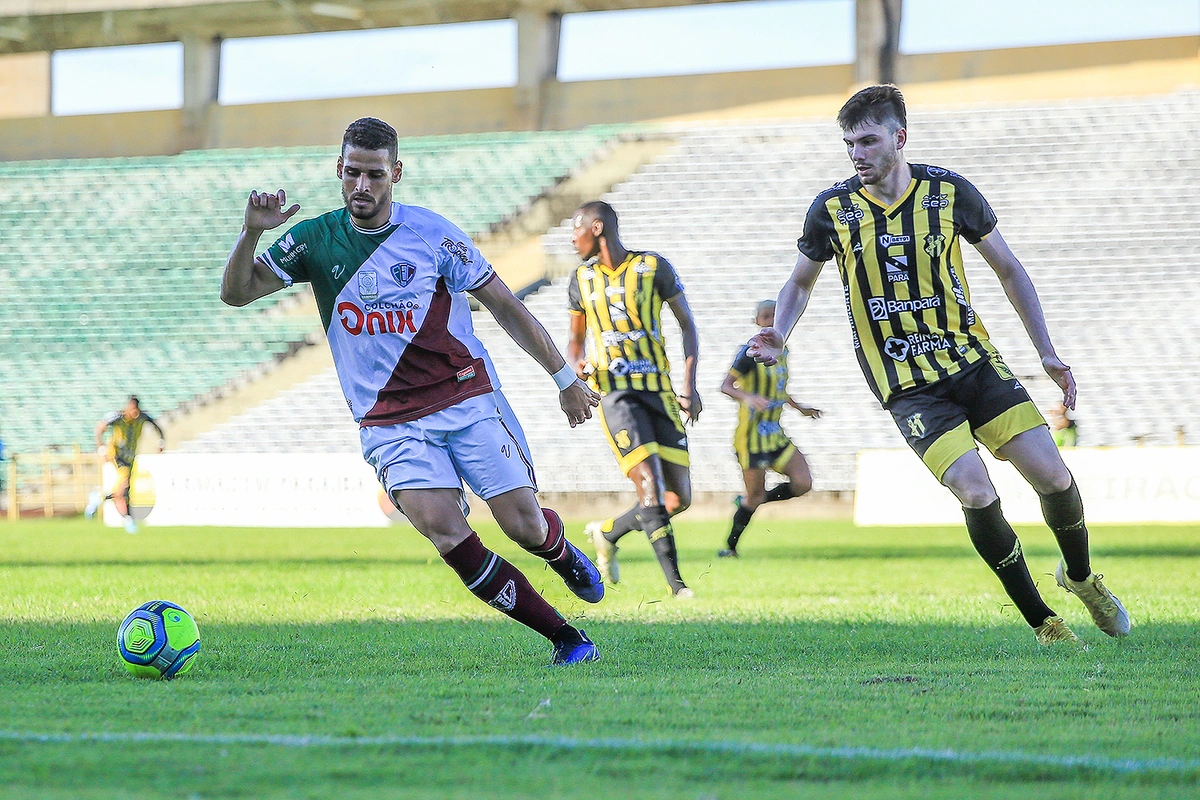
(435, 372)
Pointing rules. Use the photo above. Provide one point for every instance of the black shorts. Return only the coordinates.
(639, 424)
(776, 459)
(942, 421)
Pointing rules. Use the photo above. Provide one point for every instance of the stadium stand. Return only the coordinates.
(110, 268)
(1078, 189)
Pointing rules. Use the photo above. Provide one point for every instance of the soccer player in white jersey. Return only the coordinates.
(390, 282)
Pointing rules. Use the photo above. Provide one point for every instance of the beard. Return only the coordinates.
(363, 213)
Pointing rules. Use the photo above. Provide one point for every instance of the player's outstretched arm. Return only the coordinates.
(1024, 299)
(689, 398)
(575, 397)
(767, 345)
(247, 279)
(755, 401)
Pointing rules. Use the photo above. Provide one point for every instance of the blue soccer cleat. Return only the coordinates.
(580, 575)
(575, 650)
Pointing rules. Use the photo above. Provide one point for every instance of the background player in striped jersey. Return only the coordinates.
(126, 426)
(616, 300)
(895, 230)
(390, 282)
(759, 439)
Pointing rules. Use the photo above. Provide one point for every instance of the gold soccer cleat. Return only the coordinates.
(606, 553)
(1106, 610)
(1053, 631)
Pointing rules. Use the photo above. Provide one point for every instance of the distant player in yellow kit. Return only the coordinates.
(759, 439)
(121, 449)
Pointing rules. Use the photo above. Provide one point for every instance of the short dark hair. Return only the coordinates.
(134, 399)
(882, 104)
(598, 209)
(369, 133)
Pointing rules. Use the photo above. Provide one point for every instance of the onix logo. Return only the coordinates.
(355, 320)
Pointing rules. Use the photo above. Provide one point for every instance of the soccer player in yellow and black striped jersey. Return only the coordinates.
(895, 230)
(759, 439)
(122, 448)
(617, 342)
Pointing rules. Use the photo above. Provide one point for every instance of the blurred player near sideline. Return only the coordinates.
(616, 300)
(390, 282)
(759, 439)
(122, 447)
(895, 230)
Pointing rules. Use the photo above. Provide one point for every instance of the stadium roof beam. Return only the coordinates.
(48, 25)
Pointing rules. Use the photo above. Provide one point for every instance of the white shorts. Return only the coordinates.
(477, 441)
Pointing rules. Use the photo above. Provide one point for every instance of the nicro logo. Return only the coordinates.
(881, 308)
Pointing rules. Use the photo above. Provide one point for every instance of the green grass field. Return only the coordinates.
(829, 661)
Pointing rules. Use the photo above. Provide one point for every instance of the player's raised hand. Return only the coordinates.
(1061, 374)
(577, 401)
(766, 346)
(265, 210)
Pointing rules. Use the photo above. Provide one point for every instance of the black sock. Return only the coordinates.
(622, 525)
(1000, 549)
(741, 518)
(656, 522)
(1063, 512)
(783, 491)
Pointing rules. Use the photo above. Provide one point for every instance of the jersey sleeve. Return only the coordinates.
(816, 242)
(742, 362)
(972, 214)
(287, 257)
(459, 260)
(666, 279)
(574, 295)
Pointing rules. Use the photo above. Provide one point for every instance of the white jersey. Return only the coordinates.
(394, 309)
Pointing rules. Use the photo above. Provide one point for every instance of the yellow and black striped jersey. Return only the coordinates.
(626, 348)
(760, 431)
(902, 272)
(126, 433)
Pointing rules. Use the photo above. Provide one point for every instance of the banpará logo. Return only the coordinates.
(891, 240)
(357, 321)
(935, 201)
(852, 214)
(457, 249)
(881, 307)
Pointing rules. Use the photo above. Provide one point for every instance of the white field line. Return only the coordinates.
(1118, 765)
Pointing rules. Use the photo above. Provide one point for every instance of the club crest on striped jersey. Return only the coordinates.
(368, 285)
(403, 273)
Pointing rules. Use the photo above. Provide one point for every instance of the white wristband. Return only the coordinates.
(564, 377)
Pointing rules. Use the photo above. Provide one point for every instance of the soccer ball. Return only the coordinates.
(158, 640)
